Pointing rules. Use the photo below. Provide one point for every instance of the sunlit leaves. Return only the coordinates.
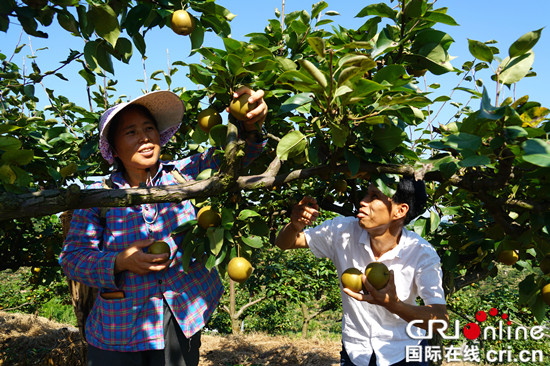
(105, 22)
(380, 9)
(291, 145)
(516, 68)
(524, 43)
(480, 50)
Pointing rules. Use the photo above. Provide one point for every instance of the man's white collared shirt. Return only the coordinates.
(368, 328)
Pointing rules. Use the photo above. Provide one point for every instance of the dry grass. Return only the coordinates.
(33, 340)
(259, 349)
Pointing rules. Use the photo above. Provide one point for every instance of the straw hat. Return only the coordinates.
(165, 106)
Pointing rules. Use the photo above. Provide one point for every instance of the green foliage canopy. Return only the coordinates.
(344, 103)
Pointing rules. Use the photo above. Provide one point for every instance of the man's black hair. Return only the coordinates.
(413, 193)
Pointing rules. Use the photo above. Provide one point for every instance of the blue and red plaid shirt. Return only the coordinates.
(135, 323)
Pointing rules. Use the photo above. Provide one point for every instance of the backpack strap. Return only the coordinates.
(177, 175)
(107, 184)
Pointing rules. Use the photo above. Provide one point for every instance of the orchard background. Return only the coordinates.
(346, 104)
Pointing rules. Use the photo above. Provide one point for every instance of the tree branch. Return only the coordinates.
(246, 306)
(47, 202)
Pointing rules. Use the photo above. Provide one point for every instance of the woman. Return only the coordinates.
(149, 311)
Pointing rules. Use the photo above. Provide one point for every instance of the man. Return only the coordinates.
(374, 321)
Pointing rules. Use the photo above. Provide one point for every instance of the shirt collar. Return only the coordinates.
(119, 180)
(396, 252)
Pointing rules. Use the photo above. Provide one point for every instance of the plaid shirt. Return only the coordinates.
(135, 323)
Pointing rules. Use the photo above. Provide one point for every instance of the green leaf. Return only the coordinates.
(392, 74)
(245, 214)
(104, 59)
(286, 64)
(480, 50)
(463, 141)
(188, 247)
(291, 145)
(253, 241)
(123, 49)
(339, 133)
(90, 55)
(9, 143)
(528, 290)
(217, 135)
(516, 68)
(348, 73)
(28, 90)
(105, 22)
(318, 45)
(387, 184)
(434, 221)
(304, 16)
(438, 17)
(205, 174)
(139, 42)
(215, 237)
(295, 101)
(67, 21)
(377, 120)
(381, 10)
(514, 132)
(420, 226)
(136, 18)
(88, 76)
(487, 110)
(353, 162)
(4, 23)
(186, 226)
(317, 8)
(7, 175)
(537, 152)
(364, 87)
(342, 90)
(18, 157)
(388, 138)
(539, 309)
(414, 8)
(524, 43)
(258, 227)
(475, 160)
(227, 218)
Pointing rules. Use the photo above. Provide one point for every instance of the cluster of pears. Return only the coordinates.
(377, 274)
(239, 269)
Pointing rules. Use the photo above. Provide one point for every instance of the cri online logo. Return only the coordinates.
(473, 331)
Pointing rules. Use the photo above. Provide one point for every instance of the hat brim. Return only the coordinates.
(166, 108)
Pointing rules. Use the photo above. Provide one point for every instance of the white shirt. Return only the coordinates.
(417, 272)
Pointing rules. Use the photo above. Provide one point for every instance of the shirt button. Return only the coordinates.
(159, 282)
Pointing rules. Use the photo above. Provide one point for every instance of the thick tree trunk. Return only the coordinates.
(235, 326)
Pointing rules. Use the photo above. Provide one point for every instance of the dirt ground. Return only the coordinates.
(32, 340)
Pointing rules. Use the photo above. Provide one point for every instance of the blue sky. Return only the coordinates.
(482, 20)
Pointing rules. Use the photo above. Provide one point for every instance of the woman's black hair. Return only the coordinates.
(118, 166)
(413, 193)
